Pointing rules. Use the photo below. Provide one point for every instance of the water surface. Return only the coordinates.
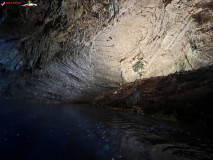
(76, 132)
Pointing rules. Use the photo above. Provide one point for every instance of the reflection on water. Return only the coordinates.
(71, 132)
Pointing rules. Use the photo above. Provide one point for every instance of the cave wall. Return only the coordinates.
(154, 38)
(73, 50)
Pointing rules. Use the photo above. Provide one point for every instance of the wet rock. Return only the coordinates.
(132, 99)
(162, 98)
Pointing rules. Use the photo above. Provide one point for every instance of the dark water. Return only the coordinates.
(71, 132)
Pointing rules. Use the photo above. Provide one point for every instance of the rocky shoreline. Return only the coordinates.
(179, 96)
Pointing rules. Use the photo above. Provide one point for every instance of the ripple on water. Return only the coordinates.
(79, 132)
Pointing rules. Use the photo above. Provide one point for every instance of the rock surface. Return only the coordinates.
(74, 50)
(185, 95)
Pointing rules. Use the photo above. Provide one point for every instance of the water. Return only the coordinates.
(73, 132)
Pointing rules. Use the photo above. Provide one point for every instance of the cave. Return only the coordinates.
(106, 79)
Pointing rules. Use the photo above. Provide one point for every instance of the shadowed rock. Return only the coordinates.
(70, 51)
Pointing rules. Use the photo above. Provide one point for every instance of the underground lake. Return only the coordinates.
(82, 132)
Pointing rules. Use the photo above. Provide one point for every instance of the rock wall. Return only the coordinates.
(154, 38)
(73, 50)
(179, 96)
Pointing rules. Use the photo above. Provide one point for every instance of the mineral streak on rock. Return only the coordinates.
(73, 50)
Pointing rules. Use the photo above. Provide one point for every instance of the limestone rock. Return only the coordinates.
(185, 96)
(74, 50)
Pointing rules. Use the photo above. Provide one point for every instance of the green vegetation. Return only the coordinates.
(138, 66)
(193, 45)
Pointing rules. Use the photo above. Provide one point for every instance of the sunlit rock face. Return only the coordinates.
(154, 38)
(74, 50)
